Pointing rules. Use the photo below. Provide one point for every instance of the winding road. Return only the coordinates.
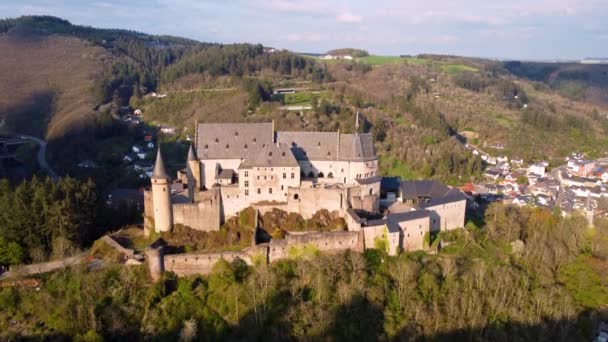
(42, 162)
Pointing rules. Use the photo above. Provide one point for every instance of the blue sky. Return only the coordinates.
(524, 29)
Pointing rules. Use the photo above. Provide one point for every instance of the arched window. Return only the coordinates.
(245, 146)
(270, 154)
(254, 140)
(321, 175)
(206, 147)
(371, 191)
(283, 154)
(296, 196)
(330, 175)
(236, 134)
(217, 140)
(227, 146)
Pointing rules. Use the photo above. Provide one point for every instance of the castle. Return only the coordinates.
(235, 166)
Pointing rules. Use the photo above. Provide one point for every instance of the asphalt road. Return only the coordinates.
(42, 162)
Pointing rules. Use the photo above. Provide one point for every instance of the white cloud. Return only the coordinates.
(348, 17)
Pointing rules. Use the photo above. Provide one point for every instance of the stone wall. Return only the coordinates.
(380, 232)
(307, 201)
(325, 242)
(448, 216)
(199, 263)
(414, 232)
(202, 215)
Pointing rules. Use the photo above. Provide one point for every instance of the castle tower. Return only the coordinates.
(161, 196)
(194, 173)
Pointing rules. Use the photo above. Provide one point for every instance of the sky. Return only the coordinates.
(514, 29)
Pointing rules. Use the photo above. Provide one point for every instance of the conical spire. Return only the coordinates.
(159, 167)
(191, 155)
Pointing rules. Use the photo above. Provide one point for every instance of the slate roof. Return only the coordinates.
(160, 172)
(232, 140)
(225, 174)
(191, 155)
(324, 145)
(437, 192)
(393, 220)
(238, 140)
(271, 155)
(369, 180)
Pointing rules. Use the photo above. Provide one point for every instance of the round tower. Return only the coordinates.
(161, 196)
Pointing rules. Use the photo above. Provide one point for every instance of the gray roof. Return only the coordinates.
(238, 140)
(369, 180)
(324, 145)
(393, 220)
(191, 155)
(271, 155)
(225, 174)
(437, 192)
(232, 140)
(160, 172)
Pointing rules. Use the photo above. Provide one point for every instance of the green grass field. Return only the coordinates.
(302, 98)
(454, 69)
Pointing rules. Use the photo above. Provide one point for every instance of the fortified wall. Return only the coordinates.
(202, 263)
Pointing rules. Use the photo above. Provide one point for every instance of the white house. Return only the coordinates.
(537, 169)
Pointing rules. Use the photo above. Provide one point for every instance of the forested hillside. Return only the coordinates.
(529, 275)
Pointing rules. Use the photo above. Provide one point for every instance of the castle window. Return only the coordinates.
(258, 177)
(283, 154)
(264, 177)
(293, 175)
(254, 140)
(236, 134)
(246, 192)
(330, 175)
(328, 153)
(246, 183)
(270, 190)
(284, 175)
(371, 191)
(246, 173)
(259, 191)
(296, 197)
(217, 140)
(319, 144)
(282, 188)
(227, 146)
(206, 147)
(270, 154)
(263, 145)
(321, 175)
(245, 147)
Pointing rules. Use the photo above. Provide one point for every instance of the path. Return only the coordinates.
(43, 267)
(42, 162)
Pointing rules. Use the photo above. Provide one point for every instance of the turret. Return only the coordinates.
(161, 196)
(194, 173)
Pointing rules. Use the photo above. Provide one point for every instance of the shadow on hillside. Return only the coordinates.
(31, 116)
